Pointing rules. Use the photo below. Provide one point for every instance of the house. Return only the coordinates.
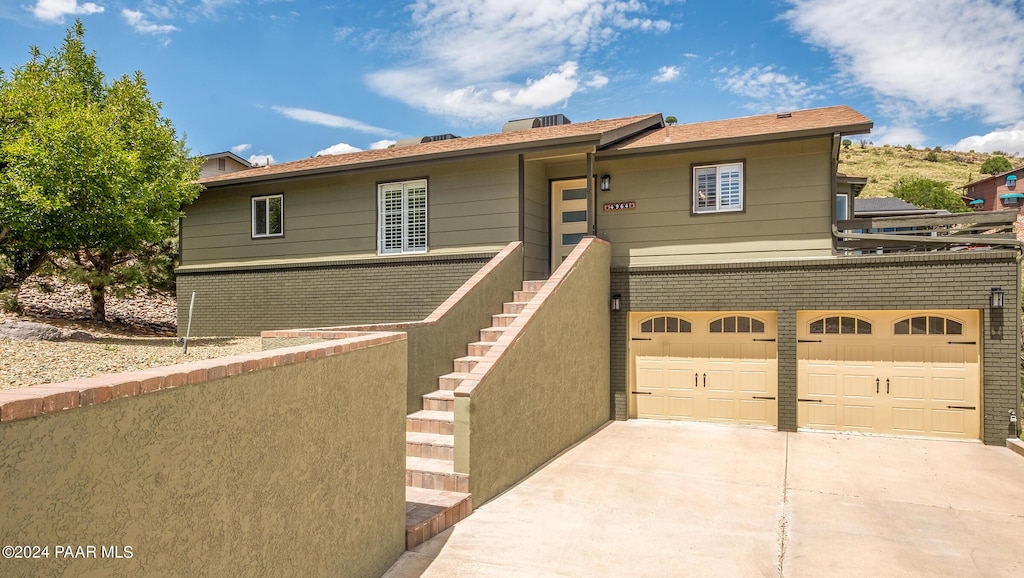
(732, 298)
(998, 192)
(222, 163)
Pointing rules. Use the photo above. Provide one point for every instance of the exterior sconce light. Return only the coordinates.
(616, 302)
(606, 183)
(996, 298)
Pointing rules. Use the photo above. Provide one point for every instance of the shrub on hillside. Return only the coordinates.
(929, 194)
(996, 164)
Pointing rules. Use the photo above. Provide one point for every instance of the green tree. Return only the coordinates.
(928, 193)
(89, 171)
(847, 143)
(996, 164)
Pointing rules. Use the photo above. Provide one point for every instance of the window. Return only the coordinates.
(268, 216)
(842, 207)
(718, 188)
(402, 217)
(928, 325)
(222, 165)
(665, 324)
(737, 324)
(841, 324)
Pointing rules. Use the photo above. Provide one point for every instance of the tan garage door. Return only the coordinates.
(891, 372)
(704, 366)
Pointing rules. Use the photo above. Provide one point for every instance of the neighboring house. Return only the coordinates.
(731, 301)
(999, 192)
(221, 164)
(890, 207)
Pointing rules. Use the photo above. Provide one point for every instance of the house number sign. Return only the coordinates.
(620, 206)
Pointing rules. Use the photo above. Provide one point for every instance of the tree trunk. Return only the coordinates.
(99, 302)
(23, 264)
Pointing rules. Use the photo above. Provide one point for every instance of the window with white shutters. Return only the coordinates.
(402, 217)
(718, 188)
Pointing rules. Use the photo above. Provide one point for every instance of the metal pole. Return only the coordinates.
(188, 329)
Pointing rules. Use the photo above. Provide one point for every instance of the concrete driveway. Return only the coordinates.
(643, 498)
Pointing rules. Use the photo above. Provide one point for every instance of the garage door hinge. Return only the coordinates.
(814, 400)
(960, 407)
(640, 392)
(762, 397)
(808, 341)
(962, 342)
(764, 340)
(640, 339)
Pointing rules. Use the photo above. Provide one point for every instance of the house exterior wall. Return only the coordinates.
(211, 167)
(536, 221)
(925, 281)
(247, 300)
(287, 470)
(472, 206)
(788, 206)
(991, 190)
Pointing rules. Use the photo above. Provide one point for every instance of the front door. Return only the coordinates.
(569, 217)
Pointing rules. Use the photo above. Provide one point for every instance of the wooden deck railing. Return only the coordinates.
(926, 232)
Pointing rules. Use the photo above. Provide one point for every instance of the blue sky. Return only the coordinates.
(288, 79)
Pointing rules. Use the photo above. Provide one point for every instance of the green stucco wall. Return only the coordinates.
(295, 470)
(947, 280)
(547, 391)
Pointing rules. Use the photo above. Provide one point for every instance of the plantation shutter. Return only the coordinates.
(402, 213)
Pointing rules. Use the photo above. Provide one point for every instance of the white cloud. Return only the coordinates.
(261, 160)
(896, 136)
(767, 89)
(942, 57)
(56, 10)
(142, 25)
(338, 149)
(330, 120)
(382, 144)
(484, 61)
(1008, 139)
(240, 148)
(667, 73)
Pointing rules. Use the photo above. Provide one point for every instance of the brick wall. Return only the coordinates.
(246, 301)
(921, 281)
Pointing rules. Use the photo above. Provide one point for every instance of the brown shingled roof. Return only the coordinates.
(602, 132)
(842, 119)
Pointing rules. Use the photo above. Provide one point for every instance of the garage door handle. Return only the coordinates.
(764, 340)
(962, 342)
(762, 397)
(887, 386)
(877, 384)
(808, 341)
(705, 380)
(695, 376)
(814, 400)
(640, 392)
(640, 339)
(960, 407)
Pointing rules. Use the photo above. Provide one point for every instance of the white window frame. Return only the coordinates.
(397, 223)
(700, 197)
(843, 199)
(266, 223)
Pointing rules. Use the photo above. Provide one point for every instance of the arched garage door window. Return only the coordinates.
(840, 324)
(737, 324)
(665, 324)
(928, 325)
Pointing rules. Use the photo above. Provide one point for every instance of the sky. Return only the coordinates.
(281, 80)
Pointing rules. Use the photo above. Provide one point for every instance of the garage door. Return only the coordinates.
(890, 372)
(704, 366)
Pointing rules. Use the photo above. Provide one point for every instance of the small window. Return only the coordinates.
(842, 206)
(268, 216)
(928, 325)
(665, 324)
(737, 324)
(718, 188)
(840, 325)
(402, 217)
(222, 165)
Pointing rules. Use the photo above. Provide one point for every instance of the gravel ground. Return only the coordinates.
(140, 335)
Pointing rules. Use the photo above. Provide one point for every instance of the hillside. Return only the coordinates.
(884, 165)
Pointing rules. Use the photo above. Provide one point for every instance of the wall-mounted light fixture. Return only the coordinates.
(996, 299)
(606, 182)
(616, 302)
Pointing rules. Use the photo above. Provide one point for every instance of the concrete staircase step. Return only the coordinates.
(522, 296)
(440, 400)
(429, 445)
(479, 348)
(467, 363)
(492, 333)
(434, 475)
(534, 285)
(430, 512)
(513, 307)
(450, 381)
(503, 319)
(427, 421)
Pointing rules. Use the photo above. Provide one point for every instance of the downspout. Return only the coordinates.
(591, 197)
(836, 142)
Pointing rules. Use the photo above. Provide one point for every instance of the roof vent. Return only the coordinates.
(422, 139)
(537, 122)
(784, 115)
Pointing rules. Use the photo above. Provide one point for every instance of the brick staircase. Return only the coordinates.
(436, 496)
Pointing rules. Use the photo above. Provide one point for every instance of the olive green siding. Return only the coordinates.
(787, 206)
(924, 281)
(287, 471)
(472, 205)
(537, 220)
(245, 302)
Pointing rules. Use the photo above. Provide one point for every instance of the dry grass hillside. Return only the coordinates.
(884, 165)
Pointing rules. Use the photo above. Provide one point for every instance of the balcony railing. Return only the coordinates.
(956, 231)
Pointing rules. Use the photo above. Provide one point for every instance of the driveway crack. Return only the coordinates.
(784, 513)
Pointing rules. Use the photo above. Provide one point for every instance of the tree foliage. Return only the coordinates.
(90, 172)
(996, 164)
(928, 193)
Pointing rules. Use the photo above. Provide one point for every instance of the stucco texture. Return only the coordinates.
(548, 390)
(293, 470)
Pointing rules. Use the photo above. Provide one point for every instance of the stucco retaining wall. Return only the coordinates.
(544, 385)
(289, 462)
